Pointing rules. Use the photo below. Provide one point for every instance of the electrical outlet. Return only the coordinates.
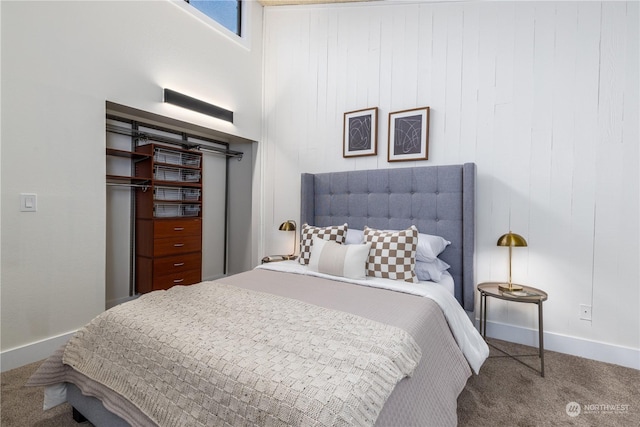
(585, 312)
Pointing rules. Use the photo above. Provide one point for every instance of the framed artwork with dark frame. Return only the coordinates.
(360, 133)
(409, 135)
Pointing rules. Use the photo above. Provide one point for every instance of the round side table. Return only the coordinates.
(527, 295)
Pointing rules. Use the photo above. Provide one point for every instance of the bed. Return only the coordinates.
(296, 343)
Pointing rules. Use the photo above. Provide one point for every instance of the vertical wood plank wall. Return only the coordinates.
(543, 96)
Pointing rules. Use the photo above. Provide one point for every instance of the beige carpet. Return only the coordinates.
(22, 406)
(506, 393)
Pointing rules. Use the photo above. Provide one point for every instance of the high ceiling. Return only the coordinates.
(299, 2)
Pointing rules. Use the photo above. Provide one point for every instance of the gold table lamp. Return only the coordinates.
(289, 225)
(511, 239)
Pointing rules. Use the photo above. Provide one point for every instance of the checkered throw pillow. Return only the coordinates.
(392, 254)
(335, 233)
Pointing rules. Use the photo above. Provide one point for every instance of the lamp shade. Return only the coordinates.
(511, 239)
(290, 225)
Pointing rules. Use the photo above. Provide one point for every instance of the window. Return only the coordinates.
(225, 12)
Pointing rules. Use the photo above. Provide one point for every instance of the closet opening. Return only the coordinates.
(164, 176)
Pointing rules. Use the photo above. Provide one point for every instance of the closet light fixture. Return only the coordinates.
(290, 225)
(185, 101)
(511, 239)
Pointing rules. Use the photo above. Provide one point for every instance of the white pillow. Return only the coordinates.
(430, 246)
(431, 270)
(339, 260)
(354, 237)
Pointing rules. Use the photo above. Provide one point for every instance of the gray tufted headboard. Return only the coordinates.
(439, 200)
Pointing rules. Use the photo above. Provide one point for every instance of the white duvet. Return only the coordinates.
(471, 343)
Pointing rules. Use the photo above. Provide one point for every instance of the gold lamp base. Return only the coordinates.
(509, 287)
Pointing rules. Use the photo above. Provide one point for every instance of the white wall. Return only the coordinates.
(60, 62)
(243, 251)
(542, 96)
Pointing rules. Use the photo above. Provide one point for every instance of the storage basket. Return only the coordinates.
(176, 193)
(167, 210)
(191, 159)
(190, 210)
(168, 173)
(166, 193)
(162, 155)
(192, 194)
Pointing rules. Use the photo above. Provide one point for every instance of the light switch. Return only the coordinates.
(28, 202)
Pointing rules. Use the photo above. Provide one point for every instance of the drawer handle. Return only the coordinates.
(178, 264)
(178, 245)
(178, 280)
(178, 228)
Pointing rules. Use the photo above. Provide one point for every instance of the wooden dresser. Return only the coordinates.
(168, 236)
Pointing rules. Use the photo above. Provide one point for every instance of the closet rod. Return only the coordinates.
(160, 138)
(237, 154)
(115, 184)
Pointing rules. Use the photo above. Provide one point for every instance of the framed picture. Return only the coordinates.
(360, 132)
(409, 135)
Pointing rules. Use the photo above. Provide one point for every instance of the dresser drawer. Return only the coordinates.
(178, 227)
(176, 245)
(177, 264)
(188, 277)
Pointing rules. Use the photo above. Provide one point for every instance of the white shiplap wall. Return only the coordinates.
(542, 96)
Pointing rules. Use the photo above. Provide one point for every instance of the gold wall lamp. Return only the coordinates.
(511, 239)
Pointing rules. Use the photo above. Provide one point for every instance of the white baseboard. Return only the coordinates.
(603, 352)
(20, 356)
